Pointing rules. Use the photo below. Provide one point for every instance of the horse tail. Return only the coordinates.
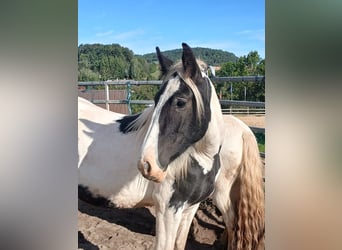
(249, 224)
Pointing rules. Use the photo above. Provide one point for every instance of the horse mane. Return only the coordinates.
(137, 123)
(142, 122)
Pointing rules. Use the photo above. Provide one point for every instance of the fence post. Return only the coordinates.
(129, 97)
(107, 95)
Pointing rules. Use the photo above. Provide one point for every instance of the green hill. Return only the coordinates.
(212, 57)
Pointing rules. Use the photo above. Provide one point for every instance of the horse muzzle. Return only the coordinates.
(150, 169)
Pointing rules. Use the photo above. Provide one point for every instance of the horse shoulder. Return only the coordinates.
(235, 124)
(232, 148)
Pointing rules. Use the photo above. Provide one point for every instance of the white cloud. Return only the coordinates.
(110, 36)
(258, 34)
(129, 34)
(107, 33)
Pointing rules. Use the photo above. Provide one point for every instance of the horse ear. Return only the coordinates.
(165, 63)
(189, 62)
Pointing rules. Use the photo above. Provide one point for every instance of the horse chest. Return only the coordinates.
(196, 186)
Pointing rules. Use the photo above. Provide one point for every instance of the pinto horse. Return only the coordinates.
(174, 155)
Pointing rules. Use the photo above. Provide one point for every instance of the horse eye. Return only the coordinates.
(180, 103)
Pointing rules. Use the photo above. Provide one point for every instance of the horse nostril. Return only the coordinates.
(147, 166)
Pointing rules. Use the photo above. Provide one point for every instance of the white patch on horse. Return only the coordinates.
(204, 161)
(138, 188)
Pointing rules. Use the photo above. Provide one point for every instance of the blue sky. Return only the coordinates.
(235, 26)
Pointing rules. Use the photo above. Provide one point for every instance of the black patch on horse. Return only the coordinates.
(85, 195)
(125, 123)
(196, 186)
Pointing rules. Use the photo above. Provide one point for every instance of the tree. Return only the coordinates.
(227, 69)
(85, 74)
(104, 68)
(260, 69)
(252, 60)
(252, 64)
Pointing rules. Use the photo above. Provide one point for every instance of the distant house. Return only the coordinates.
(82, 88)
(213, 70)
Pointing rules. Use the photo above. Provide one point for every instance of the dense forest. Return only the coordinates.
(98, 62)
(103, 62)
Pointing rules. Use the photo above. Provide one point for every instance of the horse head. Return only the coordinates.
(181, 114)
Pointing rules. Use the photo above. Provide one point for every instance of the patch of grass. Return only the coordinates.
(260, 137)
(261, 147)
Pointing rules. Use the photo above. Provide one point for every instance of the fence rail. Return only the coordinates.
(120, 82)
(246, 111)
(146, 102)
(238, 79)
(243, 103)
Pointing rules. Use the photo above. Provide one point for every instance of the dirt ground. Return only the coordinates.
(253, 120)
(111, 228)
